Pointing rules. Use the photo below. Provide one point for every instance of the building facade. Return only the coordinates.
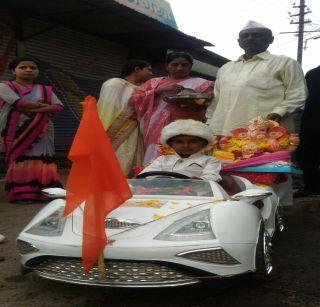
(81, 44)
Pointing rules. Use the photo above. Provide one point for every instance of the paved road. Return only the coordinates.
(295, 282)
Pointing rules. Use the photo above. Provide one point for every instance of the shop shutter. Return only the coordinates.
(7, 45)
(76, 64)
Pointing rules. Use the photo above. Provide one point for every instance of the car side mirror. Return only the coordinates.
(251, 195)
(55, 192)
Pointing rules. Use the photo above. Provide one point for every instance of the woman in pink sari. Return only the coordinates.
(154, 113)
(27, 132)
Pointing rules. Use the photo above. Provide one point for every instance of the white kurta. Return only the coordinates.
(197, 165)
(261, 85)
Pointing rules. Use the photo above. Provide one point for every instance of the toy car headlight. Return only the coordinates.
(190, 228)
(51, 226)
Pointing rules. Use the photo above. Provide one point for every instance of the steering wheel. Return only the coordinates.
(160, 173)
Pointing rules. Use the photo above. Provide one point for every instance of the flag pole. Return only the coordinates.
(101, 268)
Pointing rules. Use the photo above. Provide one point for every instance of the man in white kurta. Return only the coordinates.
(258, 83)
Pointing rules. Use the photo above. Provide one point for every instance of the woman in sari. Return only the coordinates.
(149, 101)
(117, 116)
(27, 132)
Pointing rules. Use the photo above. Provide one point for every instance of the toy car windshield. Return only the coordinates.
(166, 186)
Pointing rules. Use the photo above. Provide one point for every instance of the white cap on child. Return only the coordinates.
(186, 127)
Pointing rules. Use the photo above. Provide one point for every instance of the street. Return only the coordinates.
(295, 281)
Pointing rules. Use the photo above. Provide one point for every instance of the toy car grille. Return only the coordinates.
(118, 273)
(25, 247)
(216, 255)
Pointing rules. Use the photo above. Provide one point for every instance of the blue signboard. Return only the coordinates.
(157, 9)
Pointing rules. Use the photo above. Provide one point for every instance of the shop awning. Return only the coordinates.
(105, 18)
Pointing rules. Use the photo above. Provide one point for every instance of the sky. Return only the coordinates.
(219, 22)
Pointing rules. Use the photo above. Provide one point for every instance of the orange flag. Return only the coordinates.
(96, 178)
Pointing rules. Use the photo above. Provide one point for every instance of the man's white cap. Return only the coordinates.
(186, 127)
(254, 25)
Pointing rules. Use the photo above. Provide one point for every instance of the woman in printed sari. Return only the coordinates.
(118, 117)
(149, 101)
(27, 132)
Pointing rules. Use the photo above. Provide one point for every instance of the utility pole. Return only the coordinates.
(302, 21)
(300, 30)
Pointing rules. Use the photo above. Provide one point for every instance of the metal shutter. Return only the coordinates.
(81, 62)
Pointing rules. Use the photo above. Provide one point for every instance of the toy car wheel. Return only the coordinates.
(279, 223)
(263, 255)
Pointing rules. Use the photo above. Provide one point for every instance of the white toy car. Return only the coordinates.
(172, 232)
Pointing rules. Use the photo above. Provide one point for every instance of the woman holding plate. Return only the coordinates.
(155, 107)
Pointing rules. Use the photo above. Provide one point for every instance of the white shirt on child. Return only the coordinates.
(196, 165)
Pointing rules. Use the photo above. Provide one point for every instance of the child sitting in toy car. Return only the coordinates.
(187, 138)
